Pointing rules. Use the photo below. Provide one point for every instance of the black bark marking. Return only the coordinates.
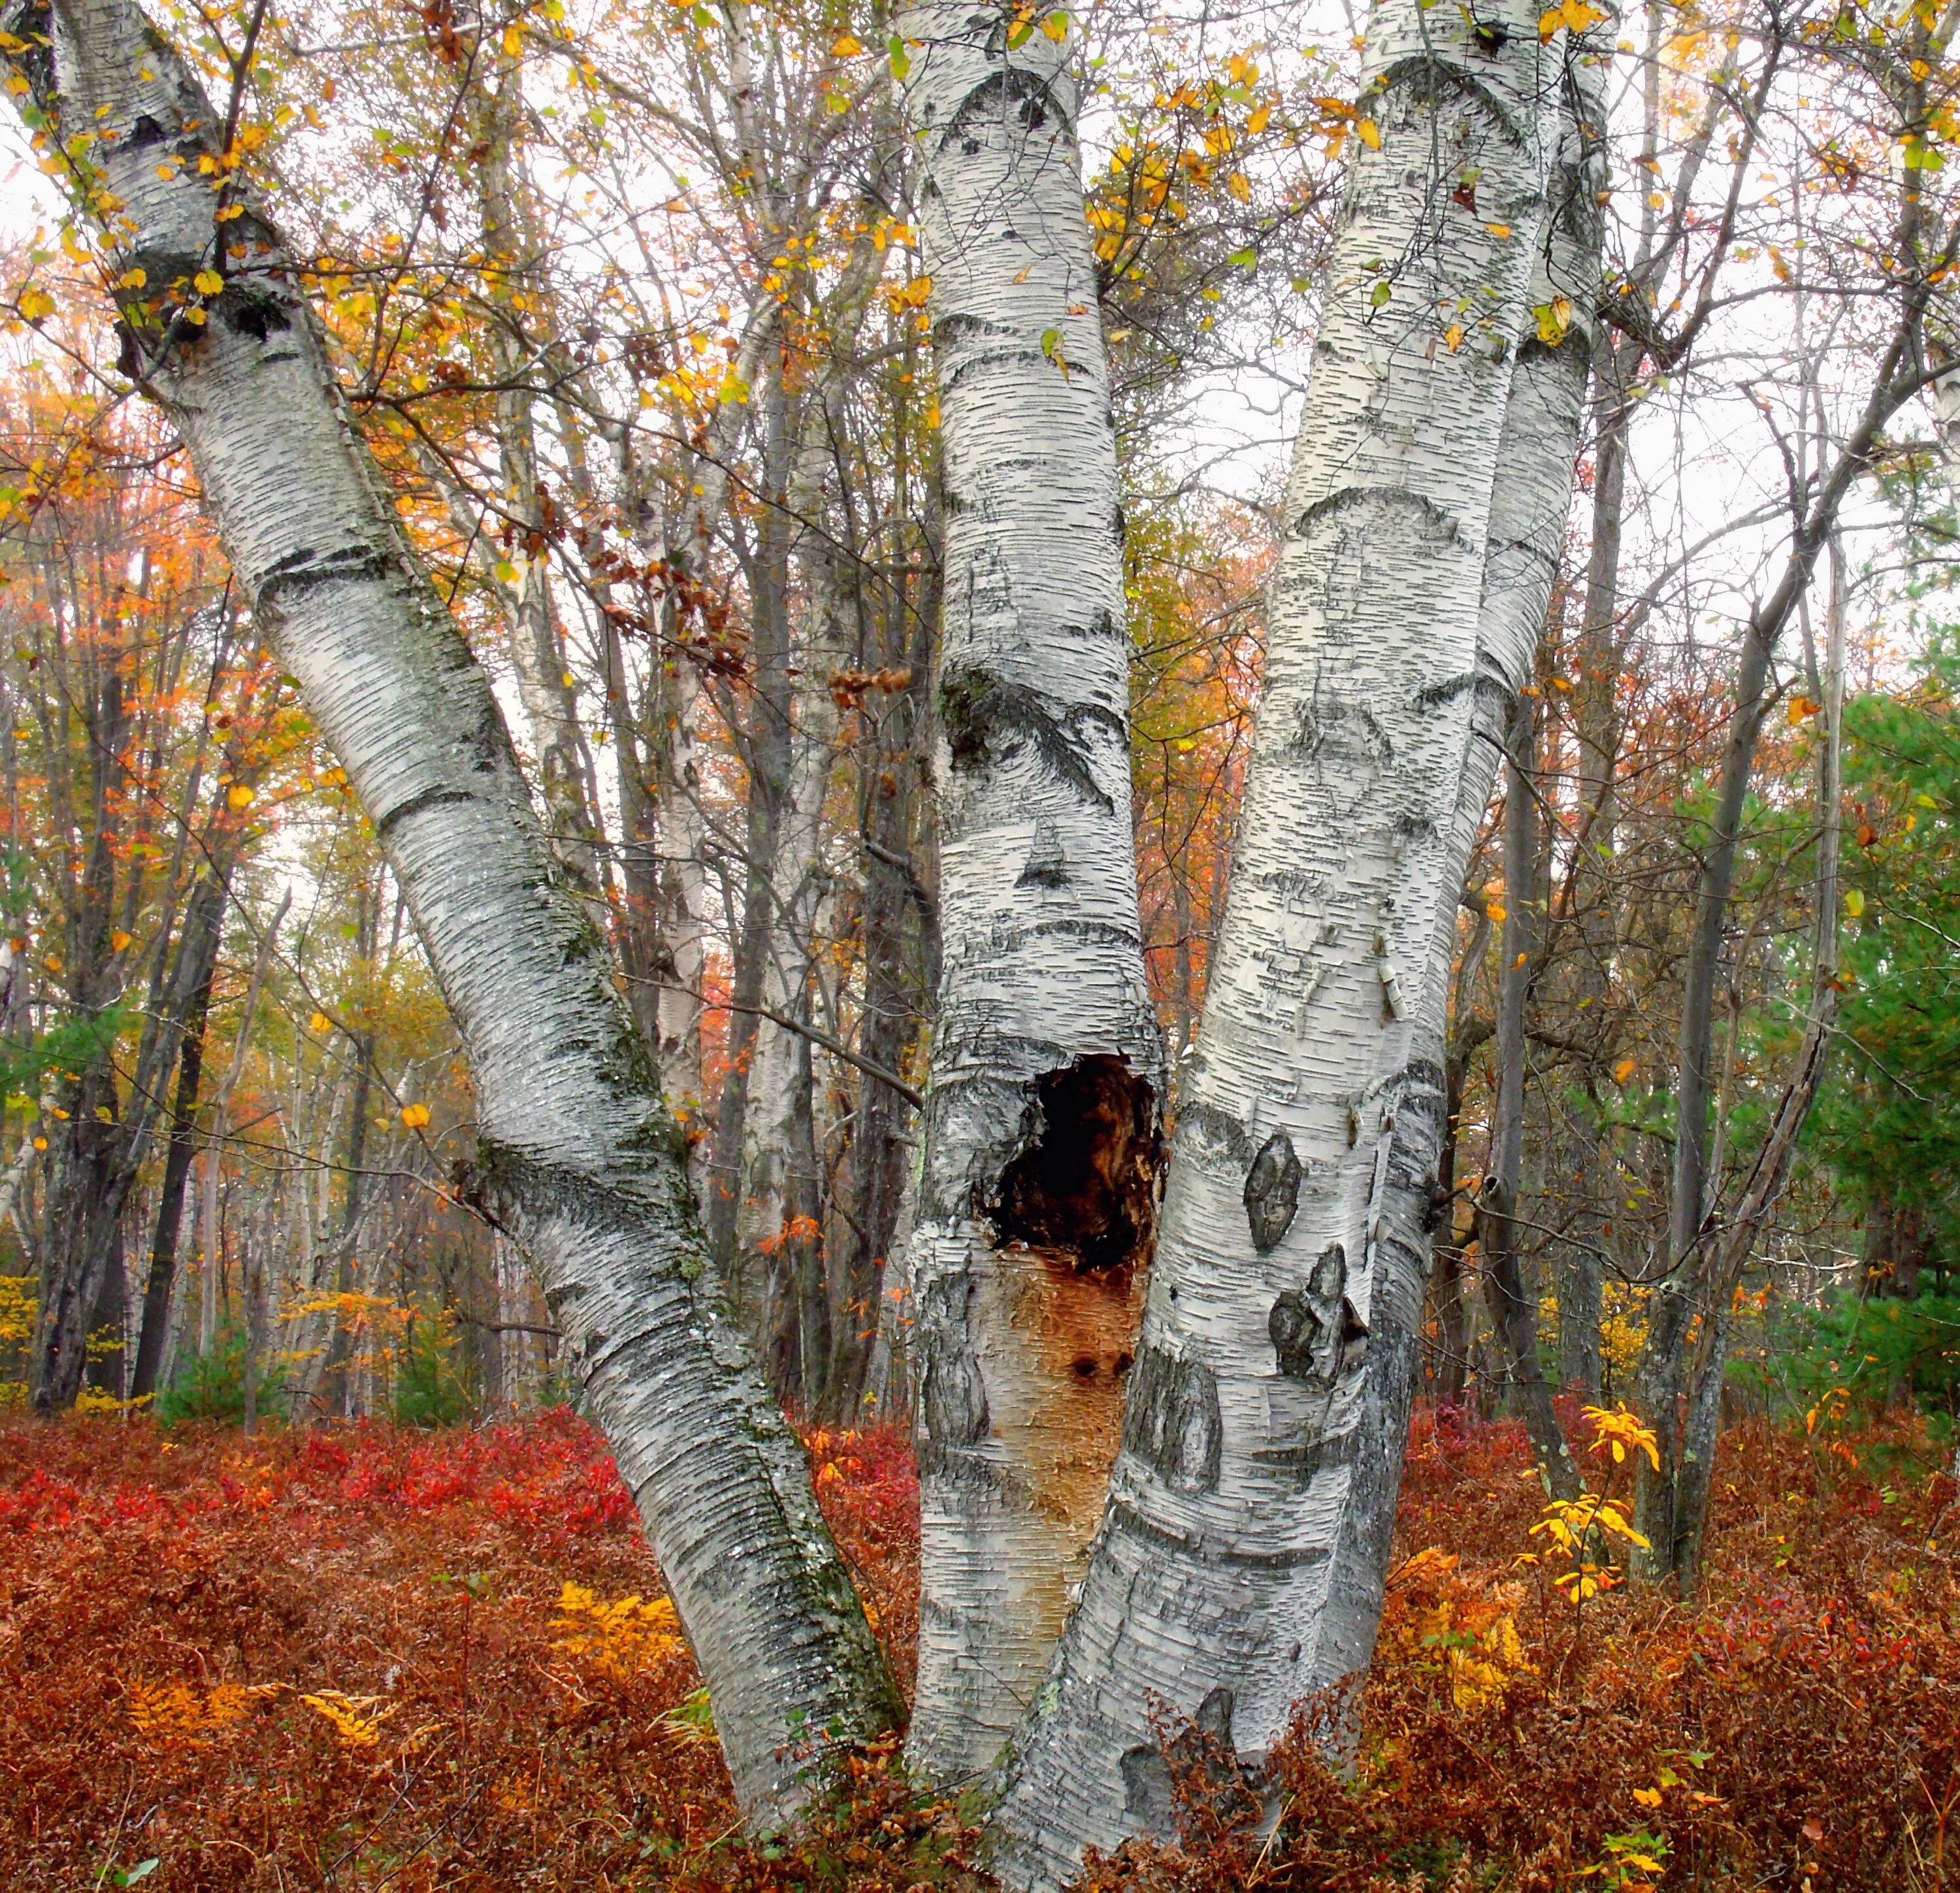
(1047, 866)
(1272, 1190)
(1315, 1329)
(427, 799)
(1026, 94)
(251, 312)
(1424, 84)
(1085, 1182)
(988, 719)
(1171, 1421)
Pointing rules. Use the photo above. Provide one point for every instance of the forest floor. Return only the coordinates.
(373, 1658)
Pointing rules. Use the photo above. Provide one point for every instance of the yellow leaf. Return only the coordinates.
(514, 40)
(1623, 1071)
(1371, 133)
(415, 1116)
(1496, 910)
(239, 795)
(208, 282)
(35, 303)
(1854, 901)
(1453, 336)
(320, 1022)
(1056, 27)
(118, 940)
(40, 1143)
(1240, 186)
(845, 47)
(1501, 231)
(133, 279)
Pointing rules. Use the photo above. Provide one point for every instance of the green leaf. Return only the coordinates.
(1246, 259)
(901, 61)
(141, 1871)
(1381, 293)
(1051, 341)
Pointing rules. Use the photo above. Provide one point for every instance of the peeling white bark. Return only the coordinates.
(578, 1148)
(1240, 1562)
(1019, 1346)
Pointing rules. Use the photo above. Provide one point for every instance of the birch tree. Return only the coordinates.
(1240, 1561)
(578, 1155)
(1037, 1187)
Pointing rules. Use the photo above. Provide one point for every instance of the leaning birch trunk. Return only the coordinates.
(1241, 1560)
(578, 1149)
(1037, 1192)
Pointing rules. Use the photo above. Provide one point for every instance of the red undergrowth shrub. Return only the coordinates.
(363, 1658)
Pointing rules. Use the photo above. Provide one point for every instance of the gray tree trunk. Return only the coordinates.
(578, 1148)
(1513, 1301)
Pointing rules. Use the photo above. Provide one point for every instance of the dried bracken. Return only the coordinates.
(367, 1657)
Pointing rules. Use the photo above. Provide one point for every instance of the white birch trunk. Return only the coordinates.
(1037, 1192)
(780, 1181)
(537, 655)
(674, 741)
(578, 1148)
(1240, 1562)
(781, 1178)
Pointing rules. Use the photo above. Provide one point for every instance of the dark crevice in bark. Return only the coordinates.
(1084, 1184)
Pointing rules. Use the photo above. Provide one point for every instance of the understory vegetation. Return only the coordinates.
(373, 1657)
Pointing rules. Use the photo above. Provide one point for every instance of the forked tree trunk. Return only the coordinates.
(578, 1149)
(1037, 1188)
(1241, 1560)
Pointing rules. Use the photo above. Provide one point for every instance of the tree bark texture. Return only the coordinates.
(1512, 1301)
(578, 1150)
(1038, 1188)
(1241, 1560)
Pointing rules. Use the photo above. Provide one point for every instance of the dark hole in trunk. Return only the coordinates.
(1087, 1184)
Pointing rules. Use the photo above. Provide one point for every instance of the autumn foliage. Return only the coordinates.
(372, 1657)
